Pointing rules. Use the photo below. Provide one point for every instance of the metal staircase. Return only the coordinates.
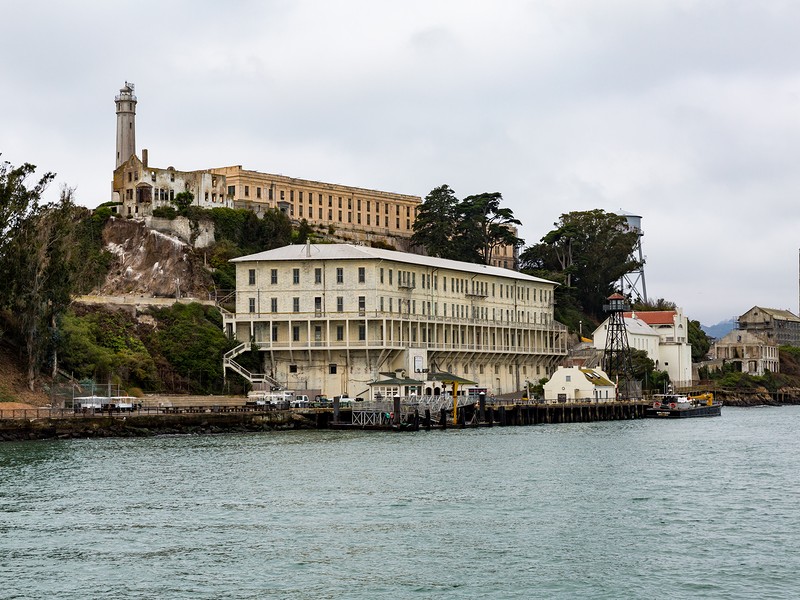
(255, 379)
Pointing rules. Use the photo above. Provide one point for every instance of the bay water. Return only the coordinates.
(697, 508)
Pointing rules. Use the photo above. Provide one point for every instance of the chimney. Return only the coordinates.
(144, 157)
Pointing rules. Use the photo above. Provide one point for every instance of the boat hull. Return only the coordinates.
(665, 412)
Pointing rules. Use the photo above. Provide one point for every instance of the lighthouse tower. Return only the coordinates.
(126, 124)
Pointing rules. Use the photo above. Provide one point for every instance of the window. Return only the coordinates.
(273, 276)
(258, 193)
(296, 333)
(362, 333)
(340, 303)
(252, 305)
(362, 274)
(317, 275)
(275, 333)
(362, 305)
(381, 271)
(273, 304)
(339, 275)
(231, 190)
(246, 191)
(251, 277)
(332, 369)
(339, 333)
(292, 368)
(295, 276)
(296, 304)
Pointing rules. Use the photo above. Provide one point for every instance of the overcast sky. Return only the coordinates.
(684, 112)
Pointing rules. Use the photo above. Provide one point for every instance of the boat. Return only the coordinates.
(682, 406)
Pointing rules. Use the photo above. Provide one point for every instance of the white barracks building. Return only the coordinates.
(335, 316)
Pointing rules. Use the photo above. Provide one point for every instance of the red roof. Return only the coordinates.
(654, 317)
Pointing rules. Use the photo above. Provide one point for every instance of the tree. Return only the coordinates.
(303, 231)
(47, 259)
(276, 230)
(435, 224)
(487, 226)
(644, 370)
(699, 341)
(591, 250)
(183, 201)
(469, 230)
(17, 200)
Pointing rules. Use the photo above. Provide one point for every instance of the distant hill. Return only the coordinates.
(721, 329)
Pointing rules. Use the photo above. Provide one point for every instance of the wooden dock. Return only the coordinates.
(59, 423)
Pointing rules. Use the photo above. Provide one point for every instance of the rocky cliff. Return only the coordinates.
(150, 263)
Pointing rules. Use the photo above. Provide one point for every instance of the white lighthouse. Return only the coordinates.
(126, 124)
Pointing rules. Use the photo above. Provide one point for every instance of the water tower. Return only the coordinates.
(633, 284)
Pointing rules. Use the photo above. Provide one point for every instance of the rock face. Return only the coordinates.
(151, 263)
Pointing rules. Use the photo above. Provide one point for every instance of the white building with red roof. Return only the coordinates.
(663, 334)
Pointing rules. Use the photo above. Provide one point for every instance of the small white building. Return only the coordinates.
(579, 384)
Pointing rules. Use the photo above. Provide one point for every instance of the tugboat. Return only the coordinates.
(679, 406)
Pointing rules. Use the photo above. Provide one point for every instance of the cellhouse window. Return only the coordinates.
(317, 275)
(273, 276)
(251, 277)
(362, 274)
(332, 369)
(295, 276)
(296, 304)
(252, 305)
(339, 275)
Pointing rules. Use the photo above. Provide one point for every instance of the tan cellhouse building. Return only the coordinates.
(368, 215)
(335, 316)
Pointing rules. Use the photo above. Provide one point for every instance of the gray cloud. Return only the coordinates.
(685, 112)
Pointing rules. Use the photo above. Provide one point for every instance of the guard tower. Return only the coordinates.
(617, 354)
(633, 284)
(126, 124)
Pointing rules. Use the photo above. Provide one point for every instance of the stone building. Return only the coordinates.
(780, 327)
(335, 316)
(139, 188)
(752, 353)
(366, 215)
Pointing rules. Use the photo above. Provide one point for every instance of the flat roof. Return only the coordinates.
(294, 252)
